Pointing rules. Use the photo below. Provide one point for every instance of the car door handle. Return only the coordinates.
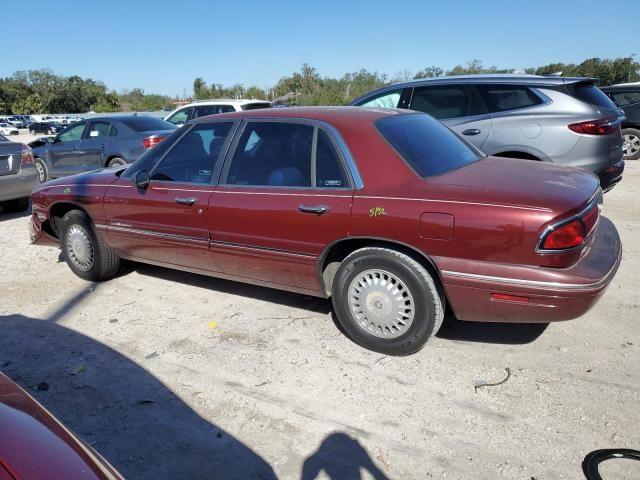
(316, 209)
(186, 200)
(471, 131)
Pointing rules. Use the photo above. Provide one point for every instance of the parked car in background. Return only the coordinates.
(389, 213)
(99, 142)
(15, 121)
(627, 97)
(202, 108)
(17, 176)
(562, 120)
(44, 127)
(36, 446)
(8, 129)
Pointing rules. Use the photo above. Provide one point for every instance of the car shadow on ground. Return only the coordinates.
(281, 297)
(452, 328)
(129, 416)
(6, 216)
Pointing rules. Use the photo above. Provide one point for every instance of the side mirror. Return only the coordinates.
(142, 179)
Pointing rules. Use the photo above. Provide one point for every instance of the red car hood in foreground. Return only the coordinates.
(36, 446)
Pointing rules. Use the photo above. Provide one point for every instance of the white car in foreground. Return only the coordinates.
(8, 129)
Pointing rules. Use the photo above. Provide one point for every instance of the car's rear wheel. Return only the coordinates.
(17, 205)
(116, 161)
(631, 146)
(87, 256)
(41, 168)
(386, 301)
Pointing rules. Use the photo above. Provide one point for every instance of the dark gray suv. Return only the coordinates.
(563, 120)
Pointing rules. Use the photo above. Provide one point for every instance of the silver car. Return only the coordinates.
(562, 120)
(18, 175)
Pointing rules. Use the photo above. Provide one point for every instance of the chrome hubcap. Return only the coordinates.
(79, 248)
(631, 145)
(381, 303)
(40, 170)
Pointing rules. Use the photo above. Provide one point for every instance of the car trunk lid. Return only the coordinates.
(10, 158)
(522, 183)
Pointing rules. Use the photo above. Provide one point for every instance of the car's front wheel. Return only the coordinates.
(631, 146)
(386, 301)
(87, 256)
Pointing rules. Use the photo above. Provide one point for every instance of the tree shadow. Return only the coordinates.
(280, 297)
(490, 332)
(130, 417)
(341, 458)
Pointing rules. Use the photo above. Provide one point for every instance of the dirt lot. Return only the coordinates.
(173, 375)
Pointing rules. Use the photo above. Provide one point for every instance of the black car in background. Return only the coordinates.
(627, 97)
(98, 142)
(44, 127)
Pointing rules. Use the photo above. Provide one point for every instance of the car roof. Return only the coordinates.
(515, 79)
(226, 101)
(324, 114)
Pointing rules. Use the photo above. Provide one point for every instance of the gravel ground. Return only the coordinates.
(174, 375)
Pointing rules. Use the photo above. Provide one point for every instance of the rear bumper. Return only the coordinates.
(18, 185)
(37, 233)
(611, 175)
(542, 294)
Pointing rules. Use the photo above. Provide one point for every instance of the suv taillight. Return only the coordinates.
(606, 126)
(152, 141)
(27, 155)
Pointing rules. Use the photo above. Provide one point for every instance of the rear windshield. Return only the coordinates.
(425, 144)
(255, 106)
(592, 95)
(147, 124)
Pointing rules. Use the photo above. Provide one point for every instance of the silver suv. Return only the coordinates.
(567, 121)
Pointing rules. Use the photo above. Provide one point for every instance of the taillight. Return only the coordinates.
(27, 155)
(596, 127)
(569, 235)
(152, 141)
(590, 218)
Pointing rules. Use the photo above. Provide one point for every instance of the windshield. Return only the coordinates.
(425, 144)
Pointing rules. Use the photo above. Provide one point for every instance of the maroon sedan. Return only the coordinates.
(387, 212)
(36, 446)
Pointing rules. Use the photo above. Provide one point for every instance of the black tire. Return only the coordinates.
(41, 168)
(428, 306)
(105, 263)
(17, 205)
(116, 161)
(634, 138)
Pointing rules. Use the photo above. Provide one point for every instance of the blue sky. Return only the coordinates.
(163, 45)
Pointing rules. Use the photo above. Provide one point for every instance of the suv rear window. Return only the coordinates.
(147, 124)
(255, 106)
(501, 98)
(589, 93)
(425, 144)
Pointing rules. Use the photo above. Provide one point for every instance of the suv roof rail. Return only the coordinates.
(554, 74)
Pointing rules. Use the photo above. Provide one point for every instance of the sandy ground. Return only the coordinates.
(172, 375)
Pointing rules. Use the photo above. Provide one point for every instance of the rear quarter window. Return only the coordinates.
(502, 98)
(147, 124)
(425, 144)
(592, 95)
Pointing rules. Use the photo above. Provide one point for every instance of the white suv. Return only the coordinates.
(202, 108)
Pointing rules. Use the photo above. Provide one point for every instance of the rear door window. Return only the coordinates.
(256, 106)
(447, 101)
(204, 110)
(98, 129)
(275, 154)
(425, 144)
(502, 98)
